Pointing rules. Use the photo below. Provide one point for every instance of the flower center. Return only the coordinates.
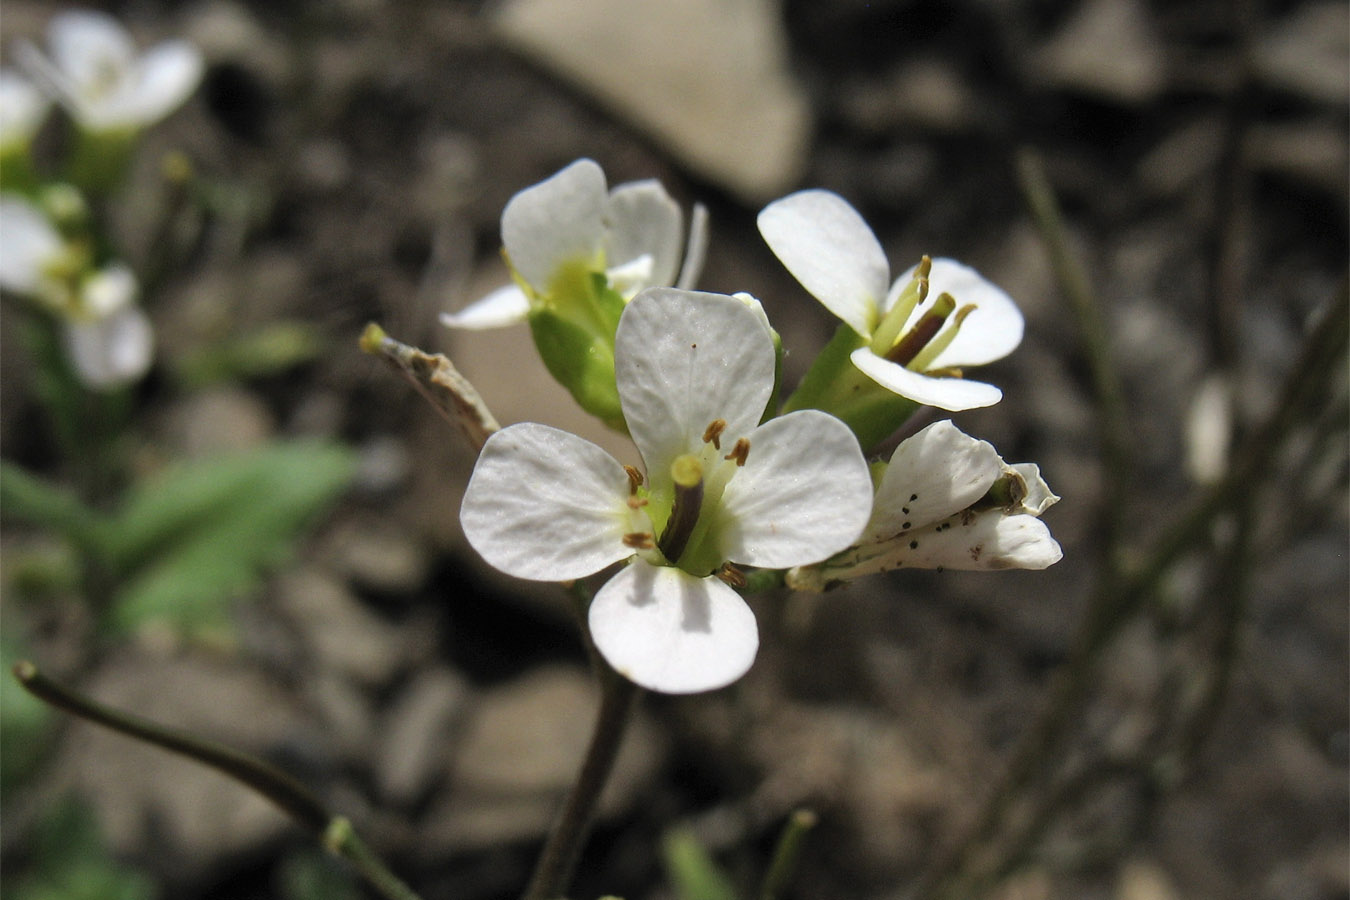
(698, 480)
(917, 348)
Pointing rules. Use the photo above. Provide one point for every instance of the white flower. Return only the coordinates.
(95, 71)
(919, 331)
(947, 501)
(569, 226)
(695, 372)
(22, 109)
(108, 338)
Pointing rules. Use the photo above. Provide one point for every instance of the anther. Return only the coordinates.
(731, 575)
(634, 479)
(740, 451)
(637, 502)
(713, 433)
(639, 540)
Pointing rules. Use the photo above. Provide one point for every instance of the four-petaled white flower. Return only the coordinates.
(947, 501)
(569, 226)
(22, 109)
(918, 333)
(108, 338)
(695, 372)
(95, 71)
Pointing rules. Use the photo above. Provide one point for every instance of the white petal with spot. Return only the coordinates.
(951, 394)
(546, 505)
(803, 494)
(932, 475)
(828, 247)
(684, 359)
(670, 631)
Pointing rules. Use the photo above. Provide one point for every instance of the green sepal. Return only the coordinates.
(581, 362)
(833, 384)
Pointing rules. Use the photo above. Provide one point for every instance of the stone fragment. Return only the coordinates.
(708, 78)
(1107, 48)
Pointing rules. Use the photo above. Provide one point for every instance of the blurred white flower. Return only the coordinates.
(917, 332)
(22, 110)
(947, 501)
(96, 73)
(108, 338)
(570, 224)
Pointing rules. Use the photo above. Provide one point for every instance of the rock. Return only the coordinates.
(344, 635)
(708, 78)
(1107, 48)
(416, 734)
(520, 753)
(1144, 880)
(379, 554)
(144, 796)
(219, 420)
(1308, 52)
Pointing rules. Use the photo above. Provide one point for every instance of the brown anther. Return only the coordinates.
(740, 451)
(637, 502)
(731, 575)
(634, 479)
(713, 433)
(639, 540)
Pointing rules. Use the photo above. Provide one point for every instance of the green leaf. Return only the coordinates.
(692, 871)
(187, 543)
(28, 498)
(72, 863)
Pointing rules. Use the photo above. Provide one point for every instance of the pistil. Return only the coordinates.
(924, 330)
(686, 472)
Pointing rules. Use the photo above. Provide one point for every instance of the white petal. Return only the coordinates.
(695, 249)
(166, 76)
(546, 505)
(557, 220)
(91, 49)
(1039, 497)
(804, 493)
(642, 219)
(951, 394)
(669, 631)
(828, 247)
(108, 291)
(22, 108)
(932, 475)
(683, 359)
(505, 306)
(27, 242)
(111, 351)
(985, 541)
(991, 332)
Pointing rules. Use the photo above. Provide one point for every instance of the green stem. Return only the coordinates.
(292, 797)
(558, 860)
(787, 853)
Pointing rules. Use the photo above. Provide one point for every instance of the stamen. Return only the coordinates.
(638, 540)
(923, 331)
(713, 433)
(634, 479)
(740, 451)
(637, 502)
(942, 341)
(914, 293)
(731, 575)
(687, 474)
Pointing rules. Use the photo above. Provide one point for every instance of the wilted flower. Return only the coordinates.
(915, 334)
(947, 501)
(96, 73)
(108, 338)
(695, 372)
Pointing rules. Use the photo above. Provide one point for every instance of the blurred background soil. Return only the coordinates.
(360, 153)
